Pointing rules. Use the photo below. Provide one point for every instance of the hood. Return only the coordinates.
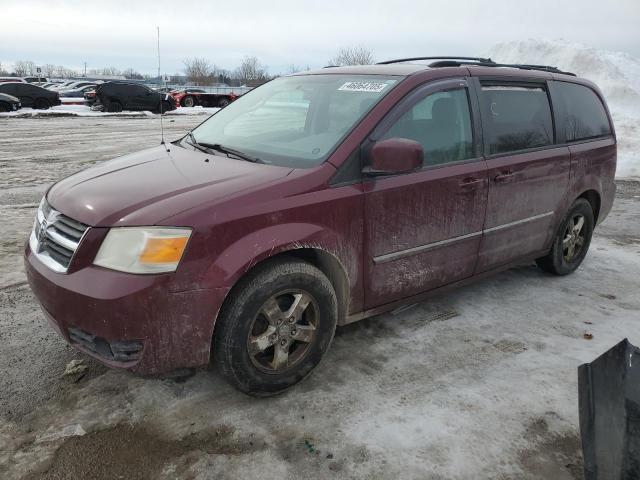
(145, 187)
(9, 98)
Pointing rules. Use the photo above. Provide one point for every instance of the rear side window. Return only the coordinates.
(516, 118)
(583, 115)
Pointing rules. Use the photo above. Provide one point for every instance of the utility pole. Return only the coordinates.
(85, 69)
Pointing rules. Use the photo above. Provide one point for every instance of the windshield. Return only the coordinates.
(295, 121)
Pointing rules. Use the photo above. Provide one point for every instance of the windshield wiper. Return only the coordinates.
(195, 144)
(231, 151)
(207, 147)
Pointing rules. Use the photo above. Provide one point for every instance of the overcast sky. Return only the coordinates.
(280, 33)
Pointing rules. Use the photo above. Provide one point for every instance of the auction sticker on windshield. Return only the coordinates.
(375, 87)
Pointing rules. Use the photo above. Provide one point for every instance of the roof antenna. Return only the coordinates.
(161, 102)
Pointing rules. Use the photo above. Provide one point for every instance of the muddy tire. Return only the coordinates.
(276, 327)
(572, 241)
(4, 107)
(223, 102)
(41, 104)
(188, 101)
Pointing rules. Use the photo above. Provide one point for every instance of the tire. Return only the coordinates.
(259, 323)
(572, 241)
(113, 107)
(5, 107)
(41, 104)
(188, 101)
(223, 102)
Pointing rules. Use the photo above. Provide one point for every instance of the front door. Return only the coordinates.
(423, 229)
(528, 173)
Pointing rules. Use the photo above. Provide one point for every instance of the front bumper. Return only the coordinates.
(135, 322)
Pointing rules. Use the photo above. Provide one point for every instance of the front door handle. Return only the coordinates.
(504, 177)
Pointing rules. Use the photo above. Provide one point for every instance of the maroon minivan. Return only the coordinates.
(316, 200)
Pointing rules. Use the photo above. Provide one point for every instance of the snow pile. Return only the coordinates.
(70, 110)
(616, 73)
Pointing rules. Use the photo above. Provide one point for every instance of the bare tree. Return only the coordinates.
(352, 56)
(21, 68)
(131, 73)
(64, 72)
(112, 71)
(3, 72)
(251, 69)
(199, 71)
(48, 70)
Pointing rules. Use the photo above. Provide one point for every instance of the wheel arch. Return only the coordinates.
(593, 197)
(326, 262)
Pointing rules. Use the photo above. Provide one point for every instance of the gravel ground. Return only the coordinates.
(479, 383)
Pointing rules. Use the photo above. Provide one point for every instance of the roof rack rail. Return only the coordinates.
(479, 61)
(412, 59)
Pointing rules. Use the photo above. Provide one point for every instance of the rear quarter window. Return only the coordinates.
(583, 115)
(516, 118)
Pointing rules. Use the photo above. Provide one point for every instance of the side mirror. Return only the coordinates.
(394, 155)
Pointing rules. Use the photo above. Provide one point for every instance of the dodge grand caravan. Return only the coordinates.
(316, 200)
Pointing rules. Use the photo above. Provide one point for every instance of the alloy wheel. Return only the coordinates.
(283, 331)
(574, 238)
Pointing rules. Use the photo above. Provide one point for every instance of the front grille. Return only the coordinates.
(55, 237)
(121, 351)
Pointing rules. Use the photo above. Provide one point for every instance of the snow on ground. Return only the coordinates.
(480, 383)
(68, 109)
(616, 73)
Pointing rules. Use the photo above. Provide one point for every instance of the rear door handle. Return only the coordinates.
(504, 177)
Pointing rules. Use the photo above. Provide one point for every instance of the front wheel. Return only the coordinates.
(223, 102)
(572, 241)
(188, 101)
(276, 327)
(41, 104)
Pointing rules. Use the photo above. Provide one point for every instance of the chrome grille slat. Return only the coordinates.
(58, 242)
(68, 231)
(77, 226)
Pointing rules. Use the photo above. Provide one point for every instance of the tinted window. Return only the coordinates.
(516, 118)
(8, 88)
(441, 123)
(584, 115)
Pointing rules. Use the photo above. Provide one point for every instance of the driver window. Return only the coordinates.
(441, 123)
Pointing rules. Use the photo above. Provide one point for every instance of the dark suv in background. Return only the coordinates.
(119, 96)
(31, 96)
(316, 200)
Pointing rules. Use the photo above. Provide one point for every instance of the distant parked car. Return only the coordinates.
(34, 79)
(191, 97)
(9, 103)
(77, 92)
(62, 85)
(31, 95)
(12, 79)
(118, 96)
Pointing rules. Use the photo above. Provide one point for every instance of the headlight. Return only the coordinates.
(143, 249)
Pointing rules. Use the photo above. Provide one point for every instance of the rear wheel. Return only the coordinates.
(276, 327)
(113, 107)
(188, 101)
(572, 241)
(41, 104)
